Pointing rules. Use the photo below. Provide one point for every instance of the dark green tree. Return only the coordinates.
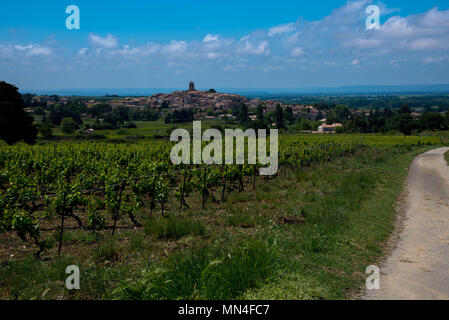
(15, 123)
(243, 116)
(288, 115)
(45, 130)
(279, 116)
(259, 113)
(99, 109)
(432, 121)
(68, 125)
(405, 109)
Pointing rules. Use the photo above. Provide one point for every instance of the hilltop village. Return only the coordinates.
(204, 104)
(303, 114)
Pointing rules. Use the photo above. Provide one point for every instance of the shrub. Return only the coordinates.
(130, 125)
(68, 125)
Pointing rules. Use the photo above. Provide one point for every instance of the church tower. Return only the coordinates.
(191, 86)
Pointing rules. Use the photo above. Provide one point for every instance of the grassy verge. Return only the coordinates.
(446, 155)
(308, 234)
(345, 233)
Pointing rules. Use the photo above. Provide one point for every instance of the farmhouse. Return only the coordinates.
(326, 128)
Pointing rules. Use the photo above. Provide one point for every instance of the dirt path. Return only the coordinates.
(418, 267)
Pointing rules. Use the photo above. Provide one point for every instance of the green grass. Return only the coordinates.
(446, 156)
(31, 279)
(171, 227)
(207, 273)
(109, 251)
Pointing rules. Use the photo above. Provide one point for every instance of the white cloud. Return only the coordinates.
(128, 52)
(285, 28)
(39, 51)
(433, 60)
(355, 62)
(175, 47)
(247, 47)
(297, 52)
(424, 44)
(210, 37)
(109, 41)
(82, 51)
(29, 50)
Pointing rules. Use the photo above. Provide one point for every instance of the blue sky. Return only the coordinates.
(223, 44)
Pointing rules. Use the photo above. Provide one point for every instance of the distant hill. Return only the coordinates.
(380, 89)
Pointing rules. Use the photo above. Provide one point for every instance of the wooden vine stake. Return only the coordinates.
(62, 223)
(203, 202)
(117, 210)
(224, 183)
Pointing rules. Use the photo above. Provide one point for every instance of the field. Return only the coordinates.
(141, 228)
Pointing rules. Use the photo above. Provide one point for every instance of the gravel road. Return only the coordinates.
(418, 267)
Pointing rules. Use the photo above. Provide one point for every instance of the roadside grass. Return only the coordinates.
(345, 231)
(308, 234)
(446, 156)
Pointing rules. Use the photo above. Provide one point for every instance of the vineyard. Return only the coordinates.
(99, 185)
(101, 188)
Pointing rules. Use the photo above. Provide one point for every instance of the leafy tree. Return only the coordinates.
(279, 116)
(305, 124)
(113, 120)
(27, 97)
(243, 116)
(432, 121)
(145, 115)
(402, 122)
(99, 109)
(15, 123)
(68, 125)
(183, 115)
(259, 113)
(288, 115)
(342, 113)
(212, 91)
(45, 130)
(405, 109)
(256, 125)
(122, 113)
(74, 111)
(39, 111)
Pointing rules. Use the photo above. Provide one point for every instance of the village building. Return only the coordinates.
(329, 128)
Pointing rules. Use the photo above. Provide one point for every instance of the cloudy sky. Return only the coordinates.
(223, 44)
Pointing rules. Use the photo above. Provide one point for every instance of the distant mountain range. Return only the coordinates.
(360, 90)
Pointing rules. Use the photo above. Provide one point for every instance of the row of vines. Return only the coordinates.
(98, 185)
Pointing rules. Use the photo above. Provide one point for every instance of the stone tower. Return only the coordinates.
(191, 86)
